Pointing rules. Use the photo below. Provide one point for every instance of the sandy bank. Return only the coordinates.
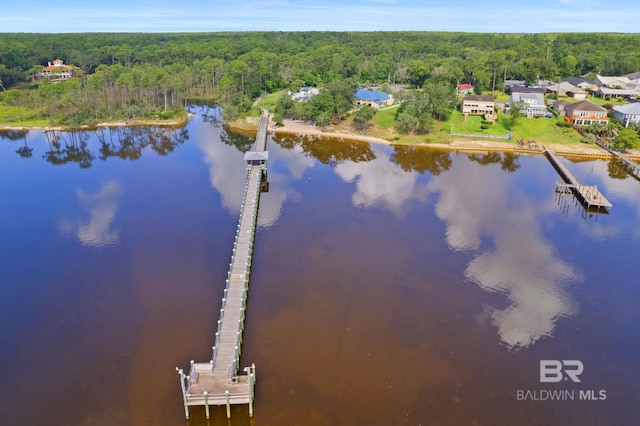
(575, 150)
(121, 123)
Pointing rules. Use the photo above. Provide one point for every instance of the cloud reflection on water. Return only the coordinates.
(475, 204)
(381, 182)
(227, 169)
(102, 207)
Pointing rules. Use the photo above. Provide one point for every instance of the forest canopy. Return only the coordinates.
(133, 75)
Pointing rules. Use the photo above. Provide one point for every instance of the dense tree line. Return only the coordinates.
(144, 75)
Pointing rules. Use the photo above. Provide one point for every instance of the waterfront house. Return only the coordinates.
(533, 103)
(628, 114)
(373, 98)
(479, 105)
(585, 113)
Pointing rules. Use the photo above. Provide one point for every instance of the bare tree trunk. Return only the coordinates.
(493, 88)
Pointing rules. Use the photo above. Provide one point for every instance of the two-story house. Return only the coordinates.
(585, 113)
(532, 103)
(479, 105)
(57, 71)
(628, 114)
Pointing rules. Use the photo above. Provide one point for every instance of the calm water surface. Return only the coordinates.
(391, 285)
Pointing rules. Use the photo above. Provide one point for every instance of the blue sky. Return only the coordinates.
(319, 15)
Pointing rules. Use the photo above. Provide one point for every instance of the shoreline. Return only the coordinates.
(121, 123)
(580, 149)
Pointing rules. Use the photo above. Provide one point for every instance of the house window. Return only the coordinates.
(600, 114)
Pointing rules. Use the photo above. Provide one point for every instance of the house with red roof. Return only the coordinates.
(56, 71)
(465, 89)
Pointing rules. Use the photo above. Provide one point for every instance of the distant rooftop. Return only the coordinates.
(370, 95)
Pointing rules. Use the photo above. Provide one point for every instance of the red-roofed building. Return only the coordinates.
(464, 89)
(55, 72)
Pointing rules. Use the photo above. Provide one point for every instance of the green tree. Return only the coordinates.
(627, 139)
(362, 116)
(515, 113)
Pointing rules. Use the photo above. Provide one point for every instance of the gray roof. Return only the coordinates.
(564, 87)
(575, 80)
(628, 109)
(585, 105)
(525, 89)
(256, 156)
(478, 98)
(619, 92)
(538, 98)
(633, 75)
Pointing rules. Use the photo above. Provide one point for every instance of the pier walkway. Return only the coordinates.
(589, 196)
(630, 166)
(217, 381)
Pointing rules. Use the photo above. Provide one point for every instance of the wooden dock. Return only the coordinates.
(217, 381)
(589, 196)
(632, 168)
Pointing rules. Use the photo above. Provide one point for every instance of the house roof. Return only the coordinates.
(465, 86)
(531, 99)
(561, 104)
(370, 95)
(524, 89)
(575, 80)
(633, 75)
(256, 155)
(619, 92)
(511, 83)
(628, 109)
(482, 98)
(602, 80)
(585, 105)
(565, 87)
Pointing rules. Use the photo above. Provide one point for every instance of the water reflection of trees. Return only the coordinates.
(421, 159)
(122, 142)
(128, 142)
(75, 149)
(241, 142)
(331, 151)
(14, 135)
(616, 171)
(507, 160)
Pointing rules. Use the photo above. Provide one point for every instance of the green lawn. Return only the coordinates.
(385, 118)
(268, 101)
(474, 123)
(21, 116)
(544, 130)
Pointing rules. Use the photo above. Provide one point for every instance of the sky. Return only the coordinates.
(528, 16)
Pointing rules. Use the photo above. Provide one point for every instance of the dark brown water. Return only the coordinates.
(390, 285)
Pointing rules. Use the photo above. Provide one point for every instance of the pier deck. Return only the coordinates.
(217, 382)
(588, 195)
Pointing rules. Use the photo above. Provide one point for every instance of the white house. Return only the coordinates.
(533, 103)
(627, 114)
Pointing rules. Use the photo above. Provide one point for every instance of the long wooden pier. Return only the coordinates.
(217, 381)
(589, 196)
(629, 166)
